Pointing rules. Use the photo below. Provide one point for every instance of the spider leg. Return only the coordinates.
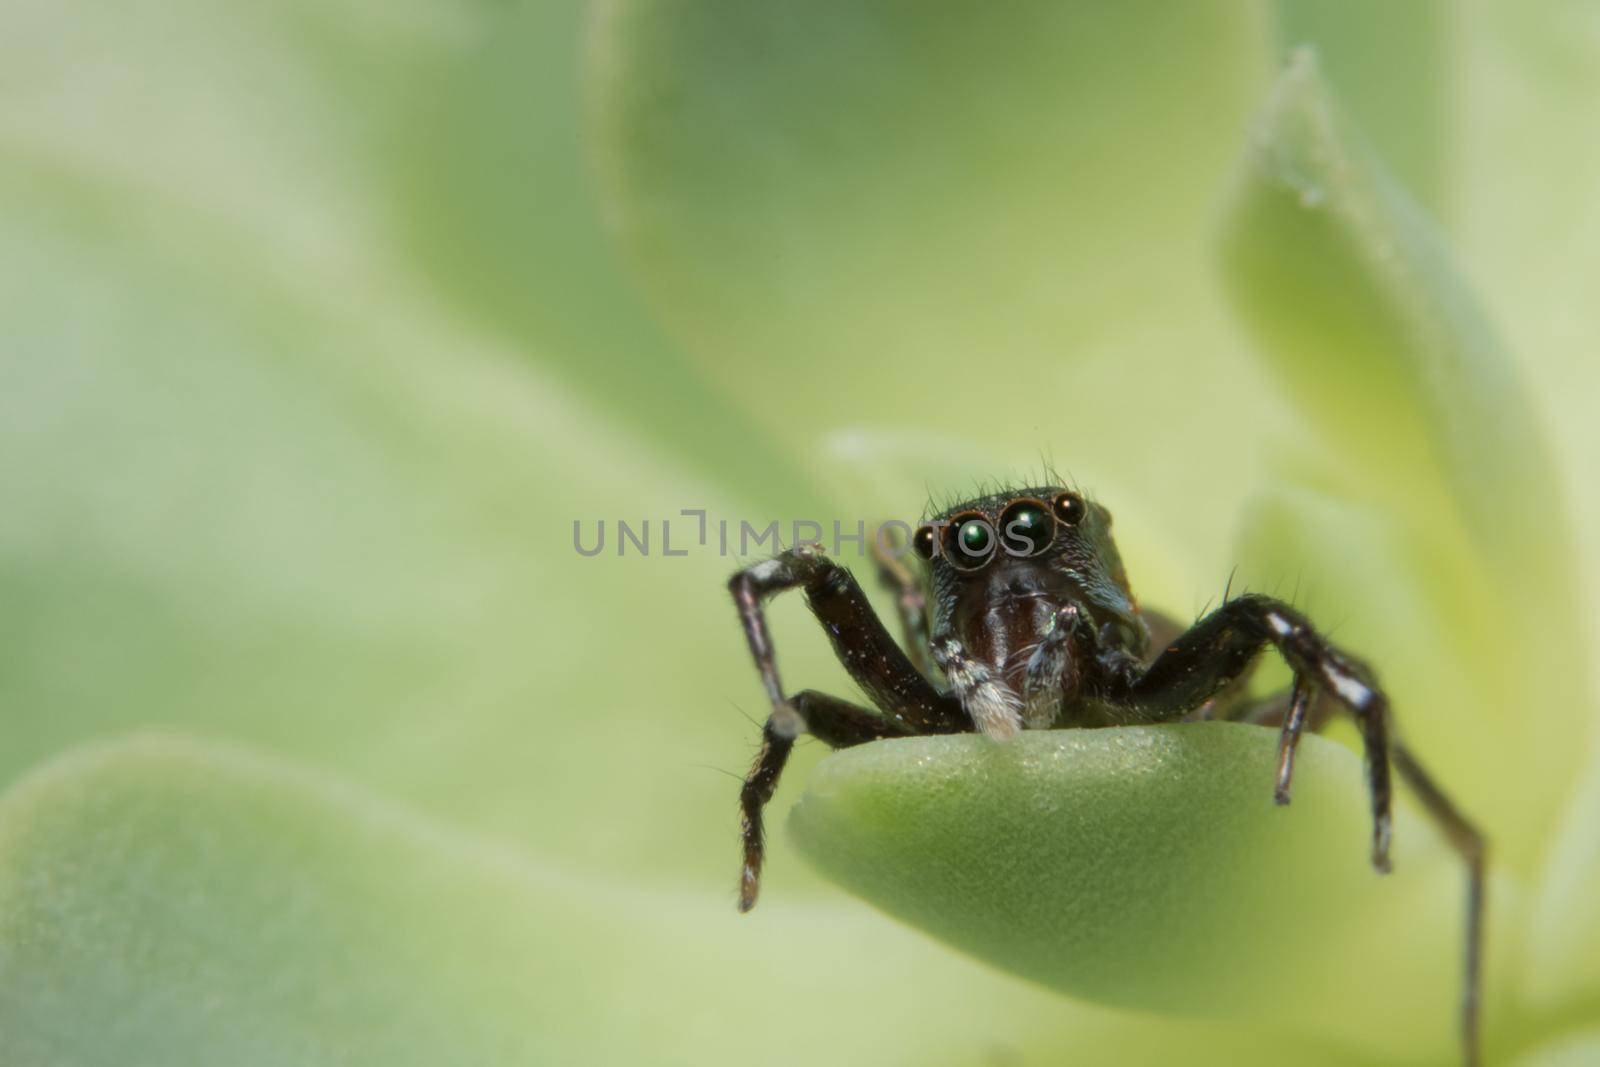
(1301, 708)
(1315, 711)
(910, 602)
(859, 639)
(1469, 841)
(908, 700)
(777, 741)
(1164, 630)
(1216, 650)
(838, 723)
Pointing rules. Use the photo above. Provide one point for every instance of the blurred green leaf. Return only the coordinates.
(238, 505)
(1395, 66)
(1579, 1049)
(263, 481)
(1357, 309)
(952, 228)
(318, 344)
(1527, 150)
(1391, 596)
(167, 901)
(1359, 312)
(1147, 867)
(202, 906)
(1561, 970)
(498, 203)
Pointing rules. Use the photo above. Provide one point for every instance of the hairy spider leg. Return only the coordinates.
(907, 699)
(1469, 841)
(1316, 711)
(1274, 709)
(1223, 644)
(1302, 707)
(839, 724)
(910, 602)
(1224, 704)
(1301, 696)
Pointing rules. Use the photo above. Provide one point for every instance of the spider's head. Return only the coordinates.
(1023, 547)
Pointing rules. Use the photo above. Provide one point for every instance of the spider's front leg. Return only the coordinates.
(910, 602)
(1213, 652)
(908, 701)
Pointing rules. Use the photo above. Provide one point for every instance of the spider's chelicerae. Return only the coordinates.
(1022, 618)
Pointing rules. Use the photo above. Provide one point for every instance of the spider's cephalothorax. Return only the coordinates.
(1026, 589)
(1022, 617)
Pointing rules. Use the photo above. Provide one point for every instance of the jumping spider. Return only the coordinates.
(1024, 610)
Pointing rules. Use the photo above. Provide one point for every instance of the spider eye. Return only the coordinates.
(922, 542)
(1069, 508)
(1026, 528)
(969, 542)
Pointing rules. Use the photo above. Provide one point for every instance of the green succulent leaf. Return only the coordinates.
(1391, 65)
(1385, 596)
(1562, 967)
(1148, 867)
(262, 480)
(499, 209)
(1357, 308)
(1578, 1049)
(1359, 311)
(934, 227)
(320, 333)
(165, 900)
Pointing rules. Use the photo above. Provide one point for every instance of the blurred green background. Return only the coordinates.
(324, 322)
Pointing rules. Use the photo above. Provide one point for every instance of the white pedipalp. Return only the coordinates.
(1041, 689)
(1042, 695)
(993, 707)
(995, 710)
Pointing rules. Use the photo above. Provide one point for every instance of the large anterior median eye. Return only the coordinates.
(969, 541)
(1026, 527)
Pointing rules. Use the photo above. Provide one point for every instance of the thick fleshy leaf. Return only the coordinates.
(318, 352)
(982, 233)
(262, 481)
(1574, 1050)
(234, 508)
(1360, 313)
(1562, 967)
(1384, 594)
(1148, 867)
(497, 201)
(1393, 66)
(166, 901)
(1378, 339)
(1527, 146)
